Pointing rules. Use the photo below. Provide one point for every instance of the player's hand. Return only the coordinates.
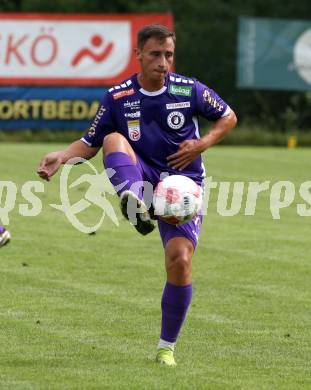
(49, 165)
(188, 151)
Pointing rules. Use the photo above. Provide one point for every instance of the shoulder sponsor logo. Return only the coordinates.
(172, 106)
(121, 94)
(132, 114)
(208, 98)
(134, 130)
(182, 90)
(175, 120)
(99, 114)
(132, 105)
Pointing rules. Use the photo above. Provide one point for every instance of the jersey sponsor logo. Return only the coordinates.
(134, 105)
(211, 100)
(121, 94)
(134, 130)
(132, 114)
(172, 106)
(175, 120)
(99, 114)
(182, 90)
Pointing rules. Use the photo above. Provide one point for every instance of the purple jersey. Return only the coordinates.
(155, 123)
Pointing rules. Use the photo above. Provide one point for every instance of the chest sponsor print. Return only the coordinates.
(132, 115)
(134, 130)
(182, 90)
(173, 106)
(121, 94)
(132, 105)
(175, 120)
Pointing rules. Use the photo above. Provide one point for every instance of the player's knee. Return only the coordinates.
(113, 140)
(179, 263)
(116, 142)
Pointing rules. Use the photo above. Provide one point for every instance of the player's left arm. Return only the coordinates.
(209, 105)
(190, 150)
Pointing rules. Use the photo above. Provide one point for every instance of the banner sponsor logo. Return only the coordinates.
(70, 49)
(302, 56)
(274, 54)
(50, 107)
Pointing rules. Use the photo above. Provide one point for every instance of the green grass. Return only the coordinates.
(83, 311)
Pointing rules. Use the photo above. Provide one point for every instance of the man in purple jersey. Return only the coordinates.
(148, 125)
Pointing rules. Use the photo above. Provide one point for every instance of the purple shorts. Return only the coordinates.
(190, 230)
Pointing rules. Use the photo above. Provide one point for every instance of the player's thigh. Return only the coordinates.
(190, 230)
(151, 177)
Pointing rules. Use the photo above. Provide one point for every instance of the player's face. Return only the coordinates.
(156, 58)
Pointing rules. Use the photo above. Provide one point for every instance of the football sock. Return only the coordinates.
(175, 303)
(166, 344)
(124, 173)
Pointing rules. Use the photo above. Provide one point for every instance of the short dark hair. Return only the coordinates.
(154, 31)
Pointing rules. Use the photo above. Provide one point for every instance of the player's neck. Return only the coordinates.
(150, 85)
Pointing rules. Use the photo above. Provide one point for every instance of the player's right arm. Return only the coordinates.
(51, 162)
(87, 147)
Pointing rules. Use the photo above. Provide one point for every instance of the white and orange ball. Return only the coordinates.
(177, 199)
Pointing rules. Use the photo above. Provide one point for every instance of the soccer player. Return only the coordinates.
(148, 125)
(4, 236)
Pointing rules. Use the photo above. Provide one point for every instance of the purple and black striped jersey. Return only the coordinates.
(155, 123)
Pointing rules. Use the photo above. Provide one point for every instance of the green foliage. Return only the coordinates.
(242, 136)
(43, 135)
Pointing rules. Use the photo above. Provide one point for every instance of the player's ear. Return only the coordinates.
(137, 53)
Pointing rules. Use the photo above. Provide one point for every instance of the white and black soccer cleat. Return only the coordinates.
(136, 212)
(5, 236)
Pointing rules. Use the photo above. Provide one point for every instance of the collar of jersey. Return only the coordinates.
(153, 93)
(148, 93)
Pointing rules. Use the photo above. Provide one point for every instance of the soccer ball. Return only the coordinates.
(177, 199)
(5, 236)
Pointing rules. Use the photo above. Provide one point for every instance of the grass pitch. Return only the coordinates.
(82, 311)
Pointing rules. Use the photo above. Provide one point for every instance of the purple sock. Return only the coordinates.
(175, 303)
(123, 172)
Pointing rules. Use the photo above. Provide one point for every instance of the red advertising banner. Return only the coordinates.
(70, 49)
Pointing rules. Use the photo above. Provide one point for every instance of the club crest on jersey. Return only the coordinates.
(175, 120)
(134, 130)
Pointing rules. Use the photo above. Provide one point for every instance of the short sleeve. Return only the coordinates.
(209, 104)
(102, 124)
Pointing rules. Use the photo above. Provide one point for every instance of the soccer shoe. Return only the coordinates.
(5, 236)
(165, 356)
(141, 220)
